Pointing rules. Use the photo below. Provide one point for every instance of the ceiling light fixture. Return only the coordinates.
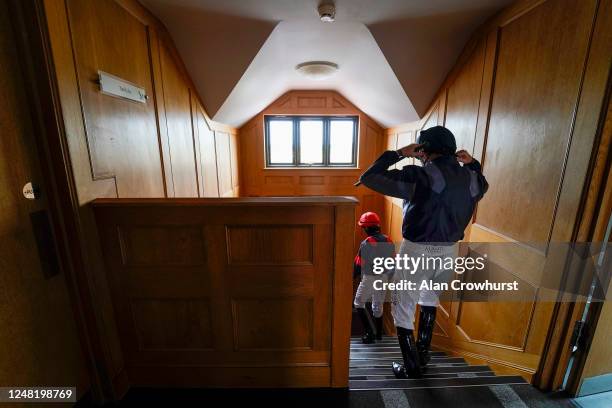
(317, 70)
(327, 12)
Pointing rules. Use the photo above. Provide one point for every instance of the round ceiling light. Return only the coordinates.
(317, 70)
(327, 12)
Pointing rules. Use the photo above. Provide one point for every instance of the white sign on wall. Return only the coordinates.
(114, 86)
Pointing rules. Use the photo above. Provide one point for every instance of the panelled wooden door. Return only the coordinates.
(514, 104)
(121, 135)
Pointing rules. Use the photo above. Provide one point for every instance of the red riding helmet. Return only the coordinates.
(369, 219)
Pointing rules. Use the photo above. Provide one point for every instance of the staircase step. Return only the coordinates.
(421, 383)
(385, 339)
(394, 351)
(395, 356)
(441, 375)
(429, 370)
(385, 363)
(388, 349)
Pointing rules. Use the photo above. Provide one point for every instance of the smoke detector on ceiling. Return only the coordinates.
(327, 12)
(317, 70)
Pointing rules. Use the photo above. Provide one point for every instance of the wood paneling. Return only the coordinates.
(268, 294)
(164, 324)
(207, 157)
(463, 98)
(122, 148)
(270, 245)
(538, 75)
(179, 130)
(276, 324)
(224, 164)
(177, 246)
(525, 97)
(257, 180)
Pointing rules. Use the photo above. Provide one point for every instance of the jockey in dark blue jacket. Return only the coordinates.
(439, 201)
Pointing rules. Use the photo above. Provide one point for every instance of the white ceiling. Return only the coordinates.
(364, 77)
(393, 54)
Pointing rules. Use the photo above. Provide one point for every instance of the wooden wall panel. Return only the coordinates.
(260, 298)
(518, 98)
(235, 163)
(463, 100)
(165, 324)
(178, 246)
(259, 324)
(131, 149)
(538, 76)
(224, 164)
(292, 244)
(207, 157)
(179, 130)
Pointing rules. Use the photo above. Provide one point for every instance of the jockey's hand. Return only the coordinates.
(464, 157)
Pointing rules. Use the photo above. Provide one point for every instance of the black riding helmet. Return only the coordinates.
(437, 139)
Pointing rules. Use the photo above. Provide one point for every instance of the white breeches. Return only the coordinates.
(366, 293)
(404, 301)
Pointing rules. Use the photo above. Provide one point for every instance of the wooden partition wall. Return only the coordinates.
(526, 99)
(245, 292)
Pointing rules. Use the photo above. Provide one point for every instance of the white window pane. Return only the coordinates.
(281, 141)
(311, 141)
(341, 141)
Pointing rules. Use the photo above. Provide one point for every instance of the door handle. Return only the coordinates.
(45, 243)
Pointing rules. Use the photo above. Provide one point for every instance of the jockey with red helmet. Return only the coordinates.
(376, 244)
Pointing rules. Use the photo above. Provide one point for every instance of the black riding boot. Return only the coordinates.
(427, 319)
(368, 336)
(411, 367)
(379, 327)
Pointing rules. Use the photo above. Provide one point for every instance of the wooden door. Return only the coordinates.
(121, 136)
(514, 103)
(38, 335)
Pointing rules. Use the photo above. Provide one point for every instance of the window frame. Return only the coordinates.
(326, 119)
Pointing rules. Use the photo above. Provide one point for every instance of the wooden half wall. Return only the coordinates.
(257, 180)
(239, 292)
(526, 98)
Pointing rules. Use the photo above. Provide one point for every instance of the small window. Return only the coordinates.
(311, 141)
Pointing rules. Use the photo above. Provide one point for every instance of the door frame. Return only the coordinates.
(33, 45)
(591, 227)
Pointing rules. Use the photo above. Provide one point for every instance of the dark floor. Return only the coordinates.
(464, 386)
(505, 396)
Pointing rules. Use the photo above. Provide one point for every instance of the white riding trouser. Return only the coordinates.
(366, 292)
(404, 301)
